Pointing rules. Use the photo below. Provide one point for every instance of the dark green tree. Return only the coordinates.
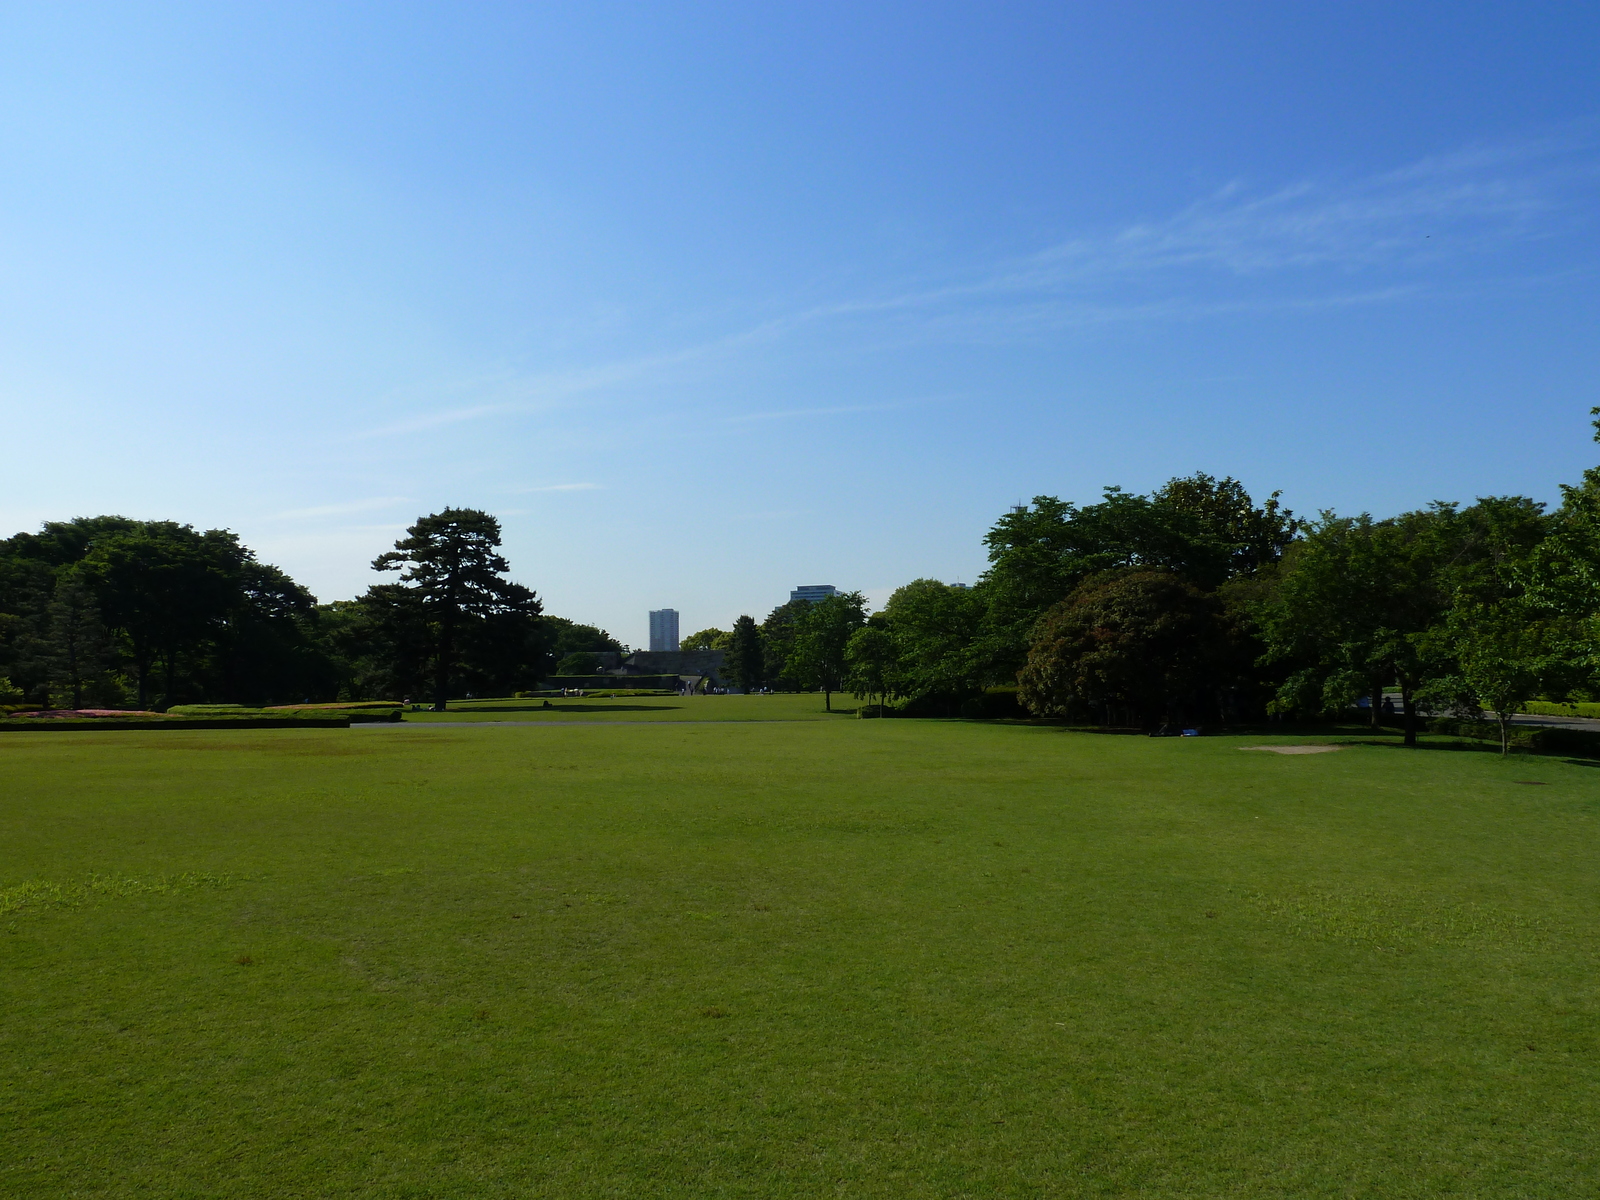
(29, 565)
(1505, 655)
(933, 627)
(382, 641)
(1353, 609)
(568, 637)
(871, 663)
(26, 584)
(1362, 604)
(1219, 532)
(1130, 646)
(1207, 530)
(706, 639)
(451, 560)
(192, 614)
(268, 646)
(166, 589)
(822, 632)
(746, 661)
(79, 643)
(506, 649)
(1562, 574)
(778, 634)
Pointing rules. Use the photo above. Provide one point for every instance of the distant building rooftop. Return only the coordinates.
(812, 592)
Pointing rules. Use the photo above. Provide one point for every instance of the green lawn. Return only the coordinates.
(800, 958)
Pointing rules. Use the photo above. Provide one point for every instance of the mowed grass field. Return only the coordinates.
(791, 958)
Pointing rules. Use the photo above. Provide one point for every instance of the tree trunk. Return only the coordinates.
(827, 699)
(441, 672)
(74, 679)
(1411, 714)
(1505, 732)
(1375, 712)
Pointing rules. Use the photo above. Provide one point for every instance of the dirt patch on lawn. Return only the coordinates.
(1295, 749)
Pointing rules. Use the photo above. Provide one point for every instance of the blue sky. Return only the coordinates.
(707, 301)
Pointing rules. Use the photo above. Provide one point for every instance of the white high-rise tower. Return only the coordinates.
(664, 629)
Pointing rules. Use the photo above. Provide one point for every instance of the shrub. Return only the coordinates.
(1143, 643)
(932, 704)
(993, 704)
(1579, 743)
(1550, 708)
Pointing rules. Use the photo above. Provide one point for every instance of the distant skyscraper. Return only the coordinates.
(812, 592)
(664, 629)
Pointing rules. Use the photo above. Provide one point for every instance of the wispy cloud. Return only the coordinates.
(1299, 244)
(533, 393)
(1306, 245)
(340, 510)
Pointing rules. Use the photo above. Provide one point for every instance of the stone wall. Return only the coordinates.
(677, 662)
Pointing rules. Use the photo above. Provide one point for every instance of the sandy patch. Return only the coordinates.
(1295, 749)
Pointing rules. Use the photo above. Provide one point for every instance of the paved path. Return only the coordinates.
(1530, 718)
(1558, 722)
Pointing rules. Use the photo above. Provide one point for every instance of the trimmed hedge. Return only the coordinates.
(994, 704)
(364, 711)
(1543, 739)
(56, 724)
(1551, 708)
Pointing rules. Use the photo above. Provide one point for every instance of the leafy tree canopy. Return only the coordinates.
(569, 637)
(822, 632)
(933, 627)
(1137, 646)
(1207, 530)
(707, 639)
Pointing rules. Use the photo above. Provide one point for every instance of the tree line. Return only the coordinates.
(116, 613)
(1193, 603)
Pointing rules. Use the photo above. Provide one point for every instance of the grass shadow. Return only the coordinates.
(530, 707)
(1483, 747)
(1471, 745)
(575, 708)
(605, 708)
(1219, 731)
